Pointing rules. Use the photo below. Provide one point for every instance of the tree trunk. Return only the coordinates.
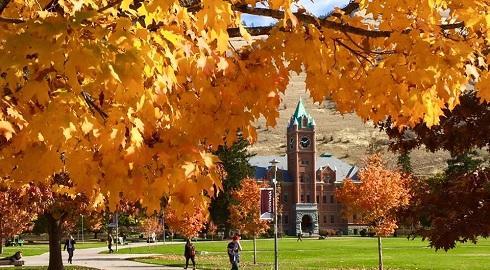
(255, 250)
(380, 253)
(95, 235)
(54, 232)
(1, 245)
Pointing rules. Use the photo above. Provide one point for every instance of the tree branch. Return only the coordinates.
(354, 52)
(253, 31)
(278, 14)
(365, 49)
(305, 18)
(11, 20)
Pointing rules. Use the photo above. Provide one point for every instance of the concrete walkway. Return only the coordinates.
(90, 257)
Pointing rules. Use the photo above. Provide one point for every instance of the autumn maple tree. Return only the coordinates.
(19, 207)
(380, 195)
(62, 216)
(151, 225)
(212, 229)
(189, 224)
(245, 211)
(95, 222)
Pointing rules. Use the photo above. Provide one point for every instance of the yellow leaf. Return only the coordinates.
(208, 158)
(87, 126)
(6, 129)
(433, 109)
(114, 74)
(222, 64)
(68, 131)
(125, 4)
(170, 36)
(244, 33)
(189, 169)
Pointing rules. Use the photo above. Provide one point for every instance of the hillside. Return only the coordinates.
(345, 136)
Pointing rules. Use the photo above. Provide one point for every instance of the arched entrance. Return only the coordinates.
(307, 224)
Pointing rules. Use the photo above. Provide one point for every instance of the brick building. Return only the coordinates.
(307, 182)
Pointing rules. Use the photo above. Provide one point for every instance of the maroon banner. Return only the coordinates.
(266, 203)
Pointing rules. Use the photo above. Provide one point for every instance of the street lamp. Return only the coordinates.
(274, 163)
(82, 227)
(163, 225)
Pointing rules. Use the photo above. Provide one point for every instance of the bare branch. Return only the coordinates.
(305, 18)
(254, 31)
(364, 49)
(53, 6)
(354, 52)
(92, 106)
(351, 7)
(452, 26)
(11, 20)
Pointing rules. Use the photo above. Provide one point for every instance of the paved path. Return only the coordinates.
(90, 257)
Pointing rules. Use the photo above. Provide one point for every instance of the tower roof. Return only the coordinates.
(299, 114)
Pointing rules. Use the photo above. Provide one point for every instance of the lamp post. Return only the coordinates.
(163, 225)
(82, 227)
(274, 182)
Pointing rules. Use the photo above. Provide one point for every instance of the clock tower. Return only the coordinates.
(301, 153)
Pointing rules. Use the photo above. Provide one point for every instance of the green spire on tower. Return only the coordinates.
(298, 116)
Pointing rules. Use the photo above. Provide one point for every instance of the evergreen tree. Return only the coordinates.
(466, 162)
(234, 159)
(404, 162)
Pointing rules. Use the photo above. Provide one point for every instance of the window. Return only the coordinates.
(331, 199)
(286, 219)
(354, 217)
(325, 219)
(302, 177)
(308, 198)
(285, 198)
(302, 198)
(324, 198)
(305, 162)
(332, 219)
(317, 198)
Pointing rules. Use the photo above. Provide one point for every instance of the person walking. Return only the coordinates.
(300, 237)
(70, 247)
(109, 242)
(190, 254)
(234, 248)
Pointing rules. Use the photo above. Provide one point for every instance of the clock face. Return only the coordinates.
(291, 143)
(304, 142)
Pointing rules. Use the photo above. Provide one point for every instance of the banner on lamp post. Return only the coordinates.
(266, 203)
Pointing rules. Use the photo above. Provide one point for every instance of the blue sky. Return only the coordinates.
(318, 8)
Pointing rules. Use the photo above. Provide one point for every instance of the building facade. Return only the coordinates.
(307, 182)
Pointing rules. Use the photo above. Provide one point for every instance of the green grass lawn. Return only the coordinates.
(37, 249)
(332, 253)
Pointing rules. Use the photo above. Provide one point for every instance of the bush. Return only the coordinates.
(363, 232)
